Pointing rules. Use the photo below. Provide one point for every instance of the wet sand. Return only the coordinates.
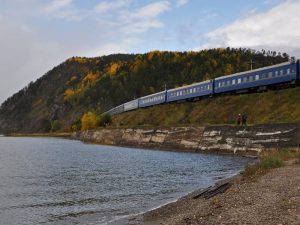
(273, 198)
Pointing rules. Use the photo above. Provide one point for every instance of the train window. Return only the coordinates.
(281, 72)
(194, 90)
(257, 77)
(233, 81)
(244, 79)
(228, 82)
(239, 80)
(276, 73)
(180, 93)
(208, 87)
(219, 84)
(270, 74)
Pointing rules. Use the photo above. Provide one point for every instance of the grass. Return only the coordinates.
(281, 106)
(270, 160)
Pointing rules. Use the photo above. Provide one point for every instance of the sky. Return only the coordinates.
(36, 35)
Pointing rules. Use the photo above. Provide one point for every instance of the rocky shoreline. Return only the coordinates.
(250, 140)
(273, 198)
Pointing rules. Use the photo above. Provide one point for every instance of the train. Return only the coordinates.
(282, 74)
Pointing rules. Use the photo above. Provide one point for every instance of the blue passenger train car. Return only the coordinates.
(154, 99)
(190, 91)
(116, 110)
(134, 104)
(281, 73)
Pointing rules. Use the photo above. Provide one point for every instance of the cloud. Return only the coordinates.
(152, 10)
(107, 6)
(276, 29)
(62, 9)
(142, 19)
(127, 20)
(180, 3)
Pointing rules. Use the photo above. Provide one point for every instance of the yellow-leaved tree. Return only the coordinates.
(113, 69)
(88, 121)
(69, 93)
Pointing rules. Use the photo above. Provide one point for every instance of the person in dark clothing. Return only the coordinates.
(244, 119)
(238, 119)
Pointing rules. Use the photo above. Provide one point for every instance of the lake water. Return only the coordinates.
(59, 181)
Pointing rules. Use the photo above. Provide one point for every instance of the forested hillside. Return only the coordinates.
(59, 99)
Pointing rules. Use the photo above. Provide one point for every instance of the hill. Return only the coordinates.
(57, 100)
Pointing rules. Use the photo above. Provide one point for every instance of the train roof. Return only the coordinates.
(134, 100)
(114, 108)
(253, 71)
(190, 85)
(153, 94)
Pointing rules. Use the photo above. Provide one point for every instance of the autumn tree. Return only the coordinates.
(88, 121)
(69, 93)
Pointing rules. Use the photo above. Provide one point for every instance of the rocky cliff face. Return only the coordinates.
(228, 139)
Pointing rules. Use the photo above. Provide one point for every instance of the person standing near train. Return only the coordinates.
(244, 119)
(238, 119)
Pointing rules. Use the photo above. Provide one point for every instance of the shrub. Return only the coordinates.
(270, 160)
(88, 121)
(55, 126)
(104, 120)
